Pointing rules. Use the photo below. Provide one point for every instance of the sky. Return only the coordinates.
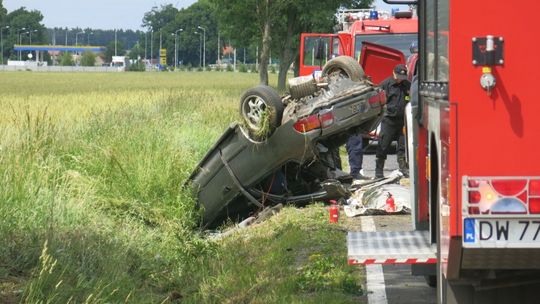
(102, 14)
(95, 14)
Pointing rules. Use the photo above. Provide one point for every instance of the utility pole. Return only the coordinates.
(151, 47)
(218, 61)
(31, 35)
(200, 48)
(176, 47)
(2, 42)
(19, 36)
(115, 42)
(145, 44)
(77, 38)
(88, 38)
(204, 45)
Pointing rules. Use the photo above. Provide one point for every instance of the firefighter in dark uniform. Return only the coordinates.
(397, 89)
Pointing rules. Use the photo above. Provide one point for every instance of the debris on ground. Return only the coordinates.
(371, 197)
(264, 215)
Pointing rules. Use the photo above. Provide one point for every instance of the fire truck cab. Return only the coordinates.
(356, 26)
(475, 172)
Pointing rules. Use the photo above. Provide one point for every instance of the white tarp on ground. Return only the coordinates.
(371, 197)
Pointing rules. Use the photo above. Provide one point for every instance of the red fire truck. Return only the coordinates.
(356, 26)
(474, 168)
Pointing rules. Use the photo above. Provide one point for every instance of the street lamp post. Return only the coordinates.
(77, 37)
(30, 34)
(160, 42)
(176, 47)
(204, 45)
(145, 45)
(88, 38)
(2, 42)
(115, 42)
(218, 50)
(200, 48)
(152, 47)
(20, 39)
(19, 36)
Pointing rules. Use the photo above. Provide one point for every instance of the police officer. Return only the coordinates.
(397, 89)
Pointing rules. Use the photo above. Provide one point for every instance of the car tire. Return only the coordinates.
(261, 110)
(344, 65)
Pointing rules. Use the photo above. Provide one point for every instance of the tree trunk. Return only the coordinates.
(284, 65)
(265, 53)
(287, 51)
(297, 64)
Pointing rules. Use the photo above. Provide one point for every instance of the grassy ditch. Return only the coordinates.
(295, 257)
(91, 210)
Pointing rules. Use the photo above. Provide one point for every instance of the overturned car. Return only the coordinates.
(284, 149)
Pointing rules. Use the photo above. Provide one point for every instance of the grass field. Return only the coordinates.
(91, 209)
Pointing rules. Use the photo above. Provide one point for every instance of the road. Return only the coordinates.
(399, 285)
(392, 284)
(368, 164)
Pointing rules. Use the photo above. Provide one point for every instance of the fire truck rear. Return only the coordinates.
(474, 167)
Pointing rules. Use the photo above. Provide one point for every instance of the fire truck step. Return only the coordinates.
(390, 247)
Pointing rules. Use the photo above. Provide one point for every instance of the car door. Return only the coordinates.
(378, 61)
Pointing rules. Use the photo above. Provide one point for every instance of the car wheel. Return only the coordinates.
(261, 110)
(343, 66)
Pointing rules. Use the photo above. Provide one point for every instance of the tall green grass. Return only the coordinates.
(91, 208)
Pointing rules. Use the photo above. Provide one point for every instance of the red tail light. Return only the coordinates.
(474, 197)
(326, 118)
(502, 196)
(307, 124)
(377, 98)
(322, 120)
(534, 205)
(534, 187)
(509, 187)
(474, 210)
(473, 183)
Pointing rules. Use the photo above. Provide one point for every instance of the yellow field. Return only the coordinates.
(74, 96)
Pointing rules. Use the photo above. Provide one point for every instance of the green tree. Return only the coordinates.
(3, 13)
(88, 59)
(110, 50)
(167, 20)
(18, 20)
(249, 21)
(66, 59)
(277, 24)
(301, 16)
(136, 52)
(199, 14)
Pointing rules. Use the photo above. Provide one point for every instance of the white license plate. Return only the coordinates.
(357, 107)
(501, 233)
